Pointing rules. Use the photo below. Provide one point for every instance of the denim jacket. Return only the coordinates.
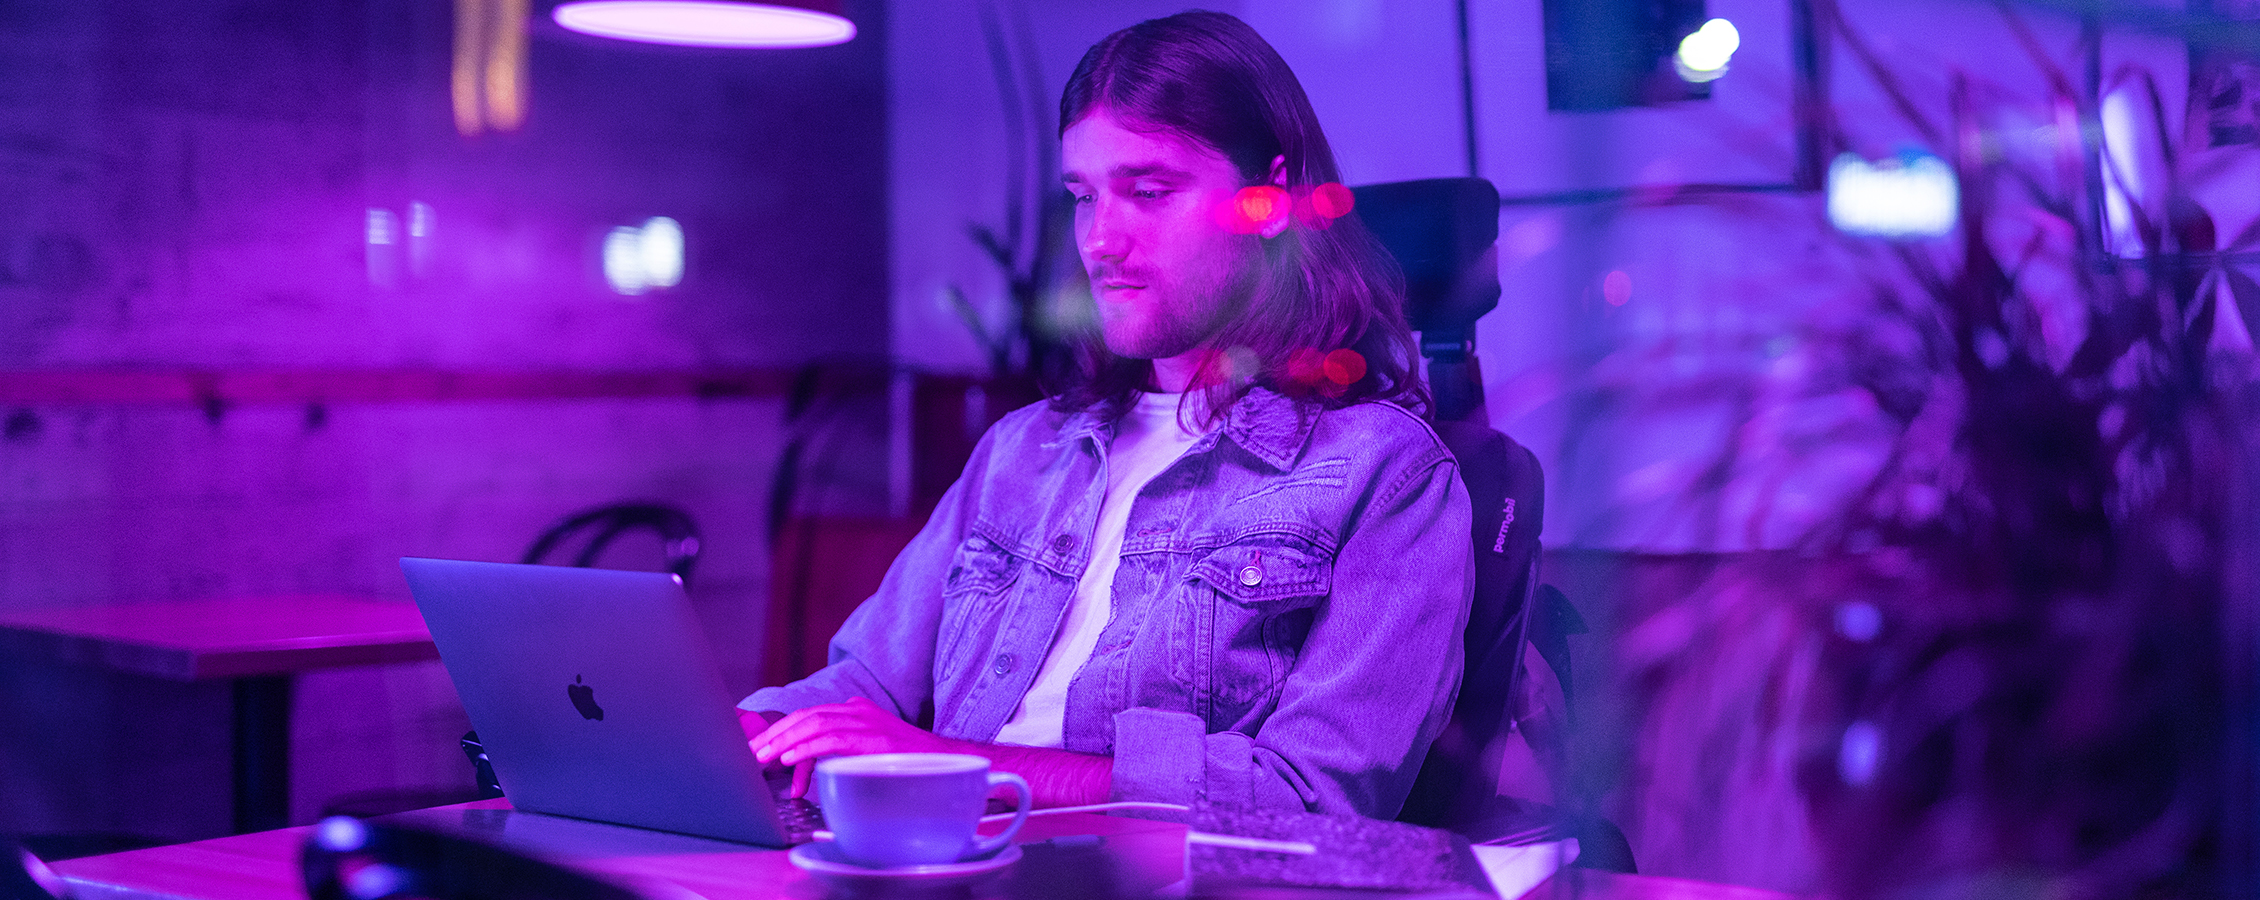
(1287, 613)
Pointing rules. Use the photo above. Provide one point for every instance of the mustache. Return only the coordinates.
(1111, 275)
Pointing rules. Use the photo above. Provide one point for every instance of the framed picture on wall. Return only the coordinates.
(2225, 85)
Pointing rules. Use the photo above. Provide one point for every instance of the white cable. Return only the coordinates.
(1259, 845)
(1095, 807)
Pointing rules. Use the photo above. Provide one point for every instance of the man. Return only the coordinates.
(1231, 565)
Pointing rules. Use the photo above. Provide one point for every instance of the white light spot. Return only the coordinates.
(1703, 55)
(1858, 620)
(382, 256)
(384, 227)
(623, 261)
(663, 252)
(1858, 754)
(373, 881)
(1898, 197)
(645, 258)
(342, 834)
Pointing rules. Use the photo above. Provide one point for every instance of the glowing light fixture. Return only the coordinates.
(1703, 55)
(643, 259)
(710, 23)
(487, 80)
(1912, 195)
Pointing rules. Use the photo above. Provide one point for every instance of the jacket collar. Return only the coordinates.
(1267, 424)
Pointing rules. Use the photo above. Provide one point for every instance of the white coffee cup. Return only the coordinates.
(888, 810)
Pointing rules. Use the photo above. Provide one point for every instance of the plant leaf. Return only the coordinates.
(2245, 238)
(2246, 293)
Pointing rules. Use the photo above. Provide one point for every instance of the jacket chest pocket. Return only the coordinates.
(981, 573)
(1248, 608)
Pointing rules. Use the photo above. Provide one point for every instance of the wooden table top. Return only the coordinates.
(196, 640)
(264, 865)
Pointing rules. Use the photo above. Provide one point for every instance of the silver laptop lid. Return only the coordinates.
(596, 696)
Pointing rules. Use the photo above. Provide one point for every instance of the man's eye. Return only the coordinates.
(1079, 199)
(1149, 193)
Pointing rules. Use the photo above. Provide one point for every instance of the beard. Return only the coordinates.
(1174, 316)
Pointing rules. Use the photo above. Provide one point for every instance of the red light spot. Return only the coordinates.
(1318, 207)
(1616, 288)
(1261, 204)
(1253, 208)
(1344, 367)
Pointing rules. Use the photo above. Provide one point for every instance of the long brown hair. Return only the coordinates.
(1324, 284)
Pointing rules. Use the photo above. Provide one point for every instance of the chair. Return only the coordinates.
(592, 531)
(1443, 233)
(595, 529)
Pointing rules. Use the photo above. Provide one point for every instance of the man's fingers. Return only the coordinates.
(801, 774)
(803, 734)
(836, 742)
(798, 726)
(832, 729)
(778, 727)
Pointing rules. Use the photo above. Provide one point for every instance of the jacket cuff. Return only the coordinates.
(1160, 756)
(777, 699)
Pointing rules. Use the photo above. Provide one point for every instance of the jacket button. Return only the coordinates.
(1004, 664)
(1063, 543)
(1251, 576)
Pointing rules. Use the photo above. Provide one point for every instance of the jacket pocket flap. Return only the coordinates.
(981, 566)
(1266, 572)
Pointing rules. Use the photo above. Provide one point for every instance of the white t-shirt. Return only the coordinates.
(1146, 440)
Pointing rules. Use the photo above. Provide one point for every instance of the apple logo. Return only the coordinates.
(584, 699)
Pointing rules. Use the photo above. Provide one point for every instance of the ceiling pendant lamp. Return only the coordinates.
(710, 23)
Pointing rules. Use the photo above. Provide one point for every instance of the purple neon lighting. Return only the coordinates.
(705, 23)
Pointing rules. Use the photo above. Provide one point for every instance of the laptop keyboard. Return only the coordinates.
(799, 816)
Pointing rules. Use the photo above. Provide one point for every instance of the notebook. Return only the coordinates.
(597, 698)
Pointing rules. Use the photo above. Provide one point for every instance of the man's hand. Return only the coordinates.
(857, 726)
(847, 729)
(799, 739)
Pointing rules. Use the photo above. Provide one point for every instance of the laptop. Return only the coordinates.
(597, 698)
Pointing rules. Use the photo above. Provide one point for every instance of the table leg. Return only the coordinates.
(262, 753)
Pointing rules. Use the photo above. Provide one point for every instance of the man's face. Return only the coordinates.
(1166, 275)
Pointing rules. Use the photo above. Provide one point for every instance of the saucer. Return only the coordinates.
(823, 860)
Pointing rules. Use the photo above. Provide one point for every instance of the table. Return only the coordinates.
(264, 865)
(1146, 855)
(258, 643)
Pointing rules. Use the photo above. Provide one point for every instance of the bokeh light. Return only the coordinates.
(1252, 209)
(644, 258)
(1912, 195)
(1703, 56)
(705, 24)
(1321, 205)
(341, 834)
(1344, 367)
(1859, 752)
(1616, 287)
(381, 232)
(489, 70)
(663, 252)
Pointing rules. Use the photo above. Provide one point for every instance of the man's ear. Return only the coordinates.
(1278, 224)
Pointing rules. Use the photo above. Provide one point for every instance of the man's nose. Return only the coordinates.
(1104, 238)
